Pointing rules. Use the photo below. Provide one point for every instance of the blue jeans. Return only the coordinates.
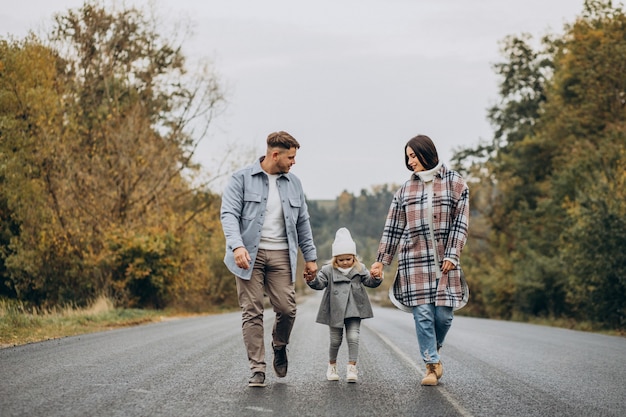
(431, 325)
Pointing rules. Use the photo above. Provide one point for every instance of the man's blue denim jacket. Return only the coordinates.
(243, 212)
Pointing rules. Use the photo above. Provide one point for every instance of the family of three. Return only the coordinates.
(266, 222)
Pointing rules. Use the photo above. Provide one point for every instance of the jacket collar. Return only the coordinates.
(257, 169)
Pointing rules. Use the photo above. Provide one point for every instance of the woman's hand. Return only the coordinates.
(447, 267)
(376, 271)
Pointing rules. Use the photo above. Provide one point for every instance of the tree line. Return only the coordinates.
(549, 190)
(99, 193)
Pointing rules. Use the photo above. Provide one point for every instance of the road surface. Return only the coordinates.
(198, 367)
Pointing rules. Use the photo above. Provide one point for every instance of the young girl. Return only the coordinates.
(345, 301)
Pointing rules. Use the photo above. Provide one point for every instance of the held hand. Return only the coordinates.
(310, 269)
(242, 257)
(376, 271)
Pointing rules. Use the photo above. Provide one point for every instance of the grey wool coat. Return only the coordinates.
(345, 296)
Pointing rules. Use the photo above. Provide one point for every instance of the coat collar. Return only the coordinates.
(339, 277)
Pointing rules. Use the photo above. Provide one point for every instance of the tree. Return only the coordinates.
(587, 118)
(506, 178)
(106, 132)
(31, 107)
(550, 187)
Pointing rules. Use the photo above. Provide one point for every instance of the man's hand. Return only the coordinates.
(310, 271)
(242, 257)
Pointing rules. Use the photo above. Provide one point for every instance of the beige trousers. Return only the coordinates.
(271, 276)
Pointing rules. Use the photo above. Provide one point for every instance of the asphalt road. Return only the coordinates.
(198, 367)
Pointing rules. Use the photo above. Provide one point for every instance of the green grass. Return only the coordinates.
(20, 325)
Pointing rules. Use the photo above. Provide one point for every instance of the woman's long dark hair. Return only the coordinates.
(425, 152)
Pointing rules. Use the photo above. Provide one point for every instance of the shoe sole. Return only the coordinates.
(332, 378)
(352, 380)
(256, 384)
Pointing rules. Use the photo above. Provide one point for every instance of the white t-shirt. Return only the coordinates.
(273, 233)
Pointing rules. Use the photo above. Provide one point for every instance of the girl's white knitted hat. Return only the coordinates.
(343, 244)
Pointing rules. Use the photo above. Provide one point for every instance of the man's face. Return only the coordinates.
(285, 159)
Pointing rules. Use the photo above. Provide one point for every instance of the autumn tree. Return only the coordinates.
(548, 191)
(31, 104)
(586, 117)
(98, 144)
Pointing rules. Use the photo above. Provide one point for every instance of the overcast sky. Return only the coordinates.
(351, 80)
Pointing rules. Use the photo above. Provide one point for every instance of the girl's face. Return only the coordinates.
(345, 261)
(413, 161)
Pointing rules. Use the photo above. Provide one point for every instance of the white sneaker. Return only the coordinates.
(331, 373)
(351, 374)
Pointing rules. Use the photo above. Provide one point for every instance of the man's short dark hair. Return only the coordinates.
(282, 140)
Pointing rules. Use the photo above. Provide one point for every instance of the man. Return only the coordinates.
(265, 219)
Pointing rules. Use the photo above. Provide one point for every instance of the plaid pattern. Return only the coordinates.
(407, 233)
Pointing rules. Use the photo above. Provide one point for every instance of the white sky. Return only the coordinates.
(351, 80)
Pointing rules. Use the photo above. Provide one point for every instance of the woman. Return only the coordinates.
(427, 225)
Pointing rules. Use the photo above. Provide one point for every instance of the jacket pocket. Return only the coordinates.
(251, 205)
(295, 203)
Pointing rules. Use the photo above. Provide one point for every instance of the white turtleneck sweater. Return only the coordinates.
(428, 177)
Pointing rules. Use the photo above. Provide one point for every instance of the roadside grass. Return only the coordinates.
(20, 325)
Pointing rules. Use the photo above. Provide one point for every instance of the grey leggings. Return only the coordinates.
(353, 328)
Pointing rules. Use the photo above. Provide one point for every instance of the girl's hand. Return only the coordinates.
(376, 271)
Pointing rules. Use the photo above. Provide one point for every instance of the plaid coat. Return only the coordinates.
(407, 232)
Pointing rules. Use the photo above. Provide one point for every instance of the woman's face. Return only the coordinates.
(413, 161)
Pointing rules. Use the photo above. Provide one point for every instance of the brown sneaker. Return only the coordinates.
(431, 377)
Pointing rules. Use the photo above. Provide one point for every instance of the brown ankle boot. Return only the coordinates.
(431, 375)
(438, 369)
